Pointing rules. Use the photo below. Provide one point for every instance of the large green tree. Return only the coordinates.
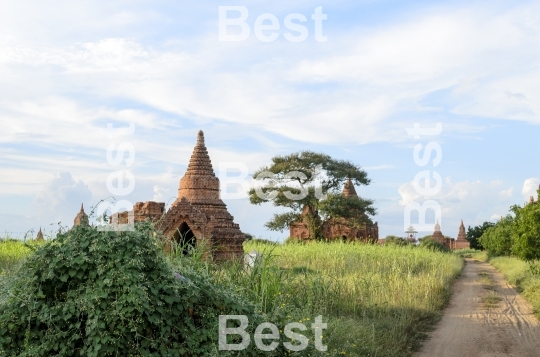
(526, 232)
(474, 233)
(309, 184)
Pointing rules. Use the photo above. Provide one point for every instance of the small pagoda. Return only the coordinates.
(461, 241)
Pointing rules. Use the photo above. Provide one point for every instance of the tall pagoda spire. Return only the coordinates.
(81, 218)
(200, 182)
(348, 189)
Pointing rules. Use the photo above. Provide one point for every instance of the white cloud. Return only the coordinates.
(472, 201)
(530, 187)
(61, 199)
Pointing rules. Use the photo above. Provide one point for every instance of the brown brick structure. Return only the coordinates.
(81, 218)
(198, 216)
(334, 229)
(460, 243)
(39, 236)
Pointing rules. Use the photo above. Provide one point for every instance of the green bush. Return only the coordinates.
(92, 293)
(433, 245)
(497, 240)
(394, 240)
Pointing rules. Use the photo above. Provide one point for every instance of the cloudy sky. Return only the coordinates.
(68, 68)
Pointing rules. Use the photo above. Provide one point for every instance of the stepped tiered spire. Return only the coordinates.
(82, 217)
(39, 235)
(348, 189)
(200, 182)
(462, 236)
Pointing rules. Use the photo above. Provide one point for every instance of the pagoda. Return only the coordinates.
(461, 241)
(198, 216)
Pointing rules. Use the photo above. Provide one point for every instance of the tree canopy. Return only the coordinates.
(474, 233)
(309, 184)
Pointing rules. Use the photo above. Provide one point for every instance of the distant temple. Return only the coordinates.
(460, 243)
(81, 218)
(334, 229)
(197, 216)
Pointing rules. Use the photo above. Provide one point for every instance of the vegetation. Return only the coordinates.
(107, 293)
(525, 276)
(433, 245)
(517, 234)
(92, 293)
(395, 240)
(377, 300)
(474, 234)
(299, 182)
(11, 253)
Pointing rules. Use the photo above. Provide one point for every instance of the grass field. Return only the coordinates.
(377, 301)
(11, 253)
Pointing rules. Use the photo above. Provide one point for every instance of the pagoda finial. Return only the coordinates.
(82, 207)
(200, 137)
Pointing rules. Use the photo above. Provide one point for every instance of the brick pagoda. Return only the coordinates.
(198, 215)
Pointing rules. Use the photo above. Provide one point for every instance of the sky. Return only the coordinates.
(349, 89)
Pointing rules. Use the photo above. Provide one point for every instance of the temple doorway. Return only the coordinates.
(184, 239)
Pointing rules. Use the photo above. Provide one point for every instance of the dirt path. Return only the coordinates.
(469, 328)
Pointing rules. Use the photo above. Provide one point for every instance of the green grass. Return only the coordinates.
(11, 253)
(524, 276)
(377, 301)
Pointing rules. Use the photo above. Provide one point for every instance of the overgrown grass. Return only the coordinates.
(377, 301)
(11, 253)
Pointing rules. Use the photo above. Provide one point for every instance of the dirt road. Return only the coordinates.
(469, 327)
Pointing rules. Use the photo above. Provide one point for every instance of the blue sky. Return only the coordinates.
(69, 68)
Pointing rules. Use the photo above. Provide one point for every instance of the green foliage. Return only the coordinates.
(497, 240)
(92, 293)
(526, 232)
(517, 234)
(433, 245)
(395, 240)
(474, 234)
(320, 175)
(377, 301)
(11, 253)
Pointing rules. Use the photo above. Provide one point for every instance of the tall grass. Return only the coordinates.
(377, 301)
(11, 253)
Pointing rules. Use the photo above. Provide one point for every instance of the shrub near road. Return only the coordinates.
(90, 293)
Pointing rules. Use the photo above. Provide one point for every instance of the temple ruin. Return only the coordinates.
(198, 216)
(334, 229)
(460, 243)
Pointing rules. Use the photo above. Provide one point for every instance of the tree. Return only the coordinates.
(309, 184)
(474, 233)
(526, 232)
(498, 239)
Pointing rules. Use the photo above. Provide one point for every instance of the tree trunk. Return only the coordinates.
(313, 222)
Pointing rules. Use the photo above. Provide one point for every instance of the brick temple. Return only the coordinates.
(198, 215)
(460, 242)
(335, 229)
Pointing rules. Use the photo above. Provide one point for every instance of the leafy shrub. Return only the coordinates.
(395, 240)
(433, 245)
(92, 293)
(497, 240)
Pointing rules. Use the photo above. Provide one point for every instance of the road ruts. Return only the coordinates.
(468, 329)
